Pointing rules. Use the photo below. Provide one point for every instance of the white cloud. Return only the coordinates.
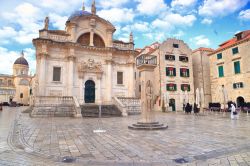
(201, 41)
(214, 8)
(245, 14)
(6, 34)
(139, 27)
(149, 7)
(7, 59)
(112, 3)
(183, 3)
(116, 15)
(59, 6)
(58, 21)
(207, 21)
(26, 16)
(179, 34)
(162, 24)
(148, 35)
(172, 20)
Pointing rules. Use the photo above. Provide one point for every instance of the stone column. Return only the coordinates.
(109, 39)
(147, 74)
(91, 43)
(73, 32)
(100, 89)
(71, 59)
(42, 73)
(109, 80)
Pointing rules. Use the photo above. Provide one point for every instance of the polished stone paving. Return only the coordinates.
(207, 139)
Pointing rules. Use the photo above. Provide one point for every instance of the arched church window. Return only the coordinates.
(24, 82)
(84, 39)
(98, 42)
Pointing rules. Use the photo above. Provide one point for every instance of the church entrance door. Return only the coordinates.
(89, 95)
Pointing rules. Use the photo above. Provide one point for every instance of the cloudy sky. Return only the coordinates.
(205, 23)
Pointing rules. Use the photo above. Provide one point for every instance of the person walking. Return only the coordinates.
(233, 112)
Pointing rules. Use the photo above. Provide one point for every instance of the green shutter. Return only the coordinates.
(237, 67)
(188, 87)
(235, 50)
(167, 73)
(188, 72)
(174, 72)
(221, 71)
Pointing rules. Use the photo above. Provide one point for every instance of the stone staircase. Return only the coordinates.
(91, 110)
(128, 105)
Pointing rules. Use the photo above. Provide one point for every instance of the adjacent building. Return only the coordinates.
(16, 87)
(230, 70)
(201, 71)
(173, 74)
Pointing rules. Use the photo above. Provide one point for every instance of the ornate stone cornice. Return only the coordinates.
(38, 41)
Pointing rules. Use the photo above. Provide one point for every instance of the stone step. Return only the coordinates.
(106, 110)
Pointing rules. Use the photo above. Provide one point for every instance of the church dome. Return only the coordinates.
(21, 61)
(78, 14)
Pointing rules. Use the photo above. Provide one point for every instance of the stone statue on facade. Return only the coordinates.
(46, 23)
(93, 8)
(149, 96)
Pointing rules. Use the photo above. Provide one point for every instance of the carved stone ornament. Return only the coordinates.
(90, 67)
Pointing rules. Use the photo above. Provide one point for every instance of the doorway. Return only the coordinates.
(172, 104)
(240, 101)
(89, 92)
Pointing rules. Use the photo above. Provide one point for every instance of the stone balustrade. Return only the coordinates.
(123, 46)
(131, 104)
(53, 100)
(59, 38)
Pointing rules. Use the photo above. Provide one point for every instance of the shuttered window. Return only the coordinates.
(170, 71)
(171, 87)
(185, 87)
(219, 56)
(184, 72)
(221, 71)
(57, 74)
(235, 50)
(237, 67)
(120, 78)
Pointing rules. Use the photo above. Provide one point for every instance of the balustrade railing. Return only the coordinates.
(54, 101)
(131, 104)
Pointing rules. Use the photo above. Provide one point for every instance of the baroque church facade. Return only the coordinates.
(84, 60)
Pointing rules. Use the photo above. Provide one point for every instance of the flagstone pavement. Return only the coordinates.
(207, 139)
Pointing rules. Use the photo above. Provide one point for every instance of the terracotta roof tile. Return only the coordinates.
(233, 41)
(203, 49)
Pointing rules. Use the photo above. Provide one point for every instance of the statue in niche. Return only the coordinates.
(46, 23)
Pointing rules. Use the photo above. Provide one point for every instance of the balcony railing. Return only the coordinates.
(146, 60)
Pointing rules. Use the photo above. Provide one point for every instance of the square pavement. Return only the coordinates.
(206, 139)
